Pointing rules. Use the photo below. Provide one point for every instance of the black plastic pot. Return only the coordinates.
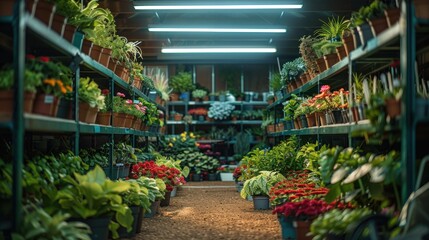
(135, 210)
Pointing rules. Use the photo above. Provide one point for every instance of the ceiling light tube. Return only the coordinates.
(217, 7)
(218, 30)
(218, 50)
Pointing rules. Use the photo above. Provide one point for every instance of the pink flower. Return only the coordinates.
(128, 101)
(119, 94)
(325, 88)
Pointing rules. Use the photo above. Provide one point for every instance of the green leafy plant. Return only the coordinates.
(136, 195)
(282, 157)
(198, 162)
(290, 107)
(292, 69)
(333, 29)
(90, 93)
(242, 145)
(275, 82)
(124, 153)
(336, 222)
(38, 224)
(261, 184)
(94, 195)
(31, 79)
(182, 82)
(375, 9)
(199, 93)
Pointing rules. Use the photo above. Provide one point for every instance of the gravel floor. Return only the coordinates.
(201, 210)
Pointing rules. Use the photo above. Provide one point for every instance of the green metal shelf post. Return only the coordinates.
(18, 116)
(408, 127)
(76, 72)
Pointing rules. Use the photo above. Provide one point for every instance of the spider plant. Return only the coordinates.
(333, 29)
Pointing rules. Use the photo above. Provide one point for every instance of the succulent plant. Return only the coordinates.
(220, 110)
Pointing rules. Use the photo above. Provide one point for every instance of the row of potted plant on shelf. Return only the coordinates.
(76, 196)
(335, 40)
(201, 114)
(323, 190)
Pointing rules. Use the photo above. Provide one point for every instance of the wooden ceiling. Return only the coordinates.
(134, 24)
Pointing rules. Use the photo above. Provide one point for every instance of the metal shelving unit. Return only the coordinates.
(22, 24)
(240, 122)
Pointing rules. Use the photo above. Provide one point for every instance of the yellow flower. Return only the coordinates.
(173, 139)
(183, 139)
(59, 83)
(49, 82)
(192, 135)
(170, 144)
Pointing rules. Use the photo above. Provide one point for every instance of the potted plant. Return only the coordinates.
(308, 54)
(359, 20)
(271, 99)
(31, 81)
(160, 83)
(79, 198)
(259, 187)
(39, 224)
(220, 110)
(289, 111)
(91, 100)
(276, 85)
(182, 83)
(235, 115)
(330, 34)
(242, 145)
(199, 94)
(226, 172)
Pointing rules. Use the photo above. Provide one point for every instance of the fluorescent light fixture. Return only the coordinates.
(218, 30)
(218, 50)
(225, 5)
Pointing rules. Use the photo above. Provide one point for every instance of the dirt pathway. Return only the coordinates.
(199, 212)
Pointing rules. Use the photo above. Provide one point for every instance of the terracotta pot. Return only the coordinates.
(105, 56)
(355, 112)
(341, 53)
(178, 117)
(137, 124)
(296, 123)
(378, 25)
(349, 44)
(174, 96)
(280, 127)
(129, 119)
(392, 16)
(95, 52)
(137, 83)
(298, 83)
(43, 11)
(87, 113)
(112, 64)
(270, 128)
(302, 228)
(119, 69)
(322, 118)
(7, 8)
(422, 8)
(55, 105)
(303, 78)
(311, 119)
(43, 104)
(294, 85)
(69, 31)
(58, 24)
(330, 60)
(103, 118)
(365, 33)
(118, 119)
(86, 47)
(321, 64)
(393, 107)
(7, 101)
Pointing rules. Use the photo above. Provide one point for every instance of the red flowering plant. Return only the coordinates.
(198, 112)
(238, 171)
(225, 169)
(308, 208)
(171, 176)
(297, 186)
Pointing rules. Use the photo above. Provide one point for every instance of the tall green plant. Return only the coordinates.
(261, 184)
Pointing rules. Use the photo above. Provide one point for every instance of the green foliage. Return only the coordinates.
(291, 70)
(220, 110)
(260, 184)
(336, 222)
(242, 145)
(199, 93)
(333, 29)
(94, 195)
(309, 155)
(276, 82)
(136, 195)
(123, 153)
(291, 106)
(374, 10)
(366, 180)
(198, 162)
(90, 93)
(171, 163)
(38, 224)
(282, 157)
(93, 157)
(182, 82)
(31, 79)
